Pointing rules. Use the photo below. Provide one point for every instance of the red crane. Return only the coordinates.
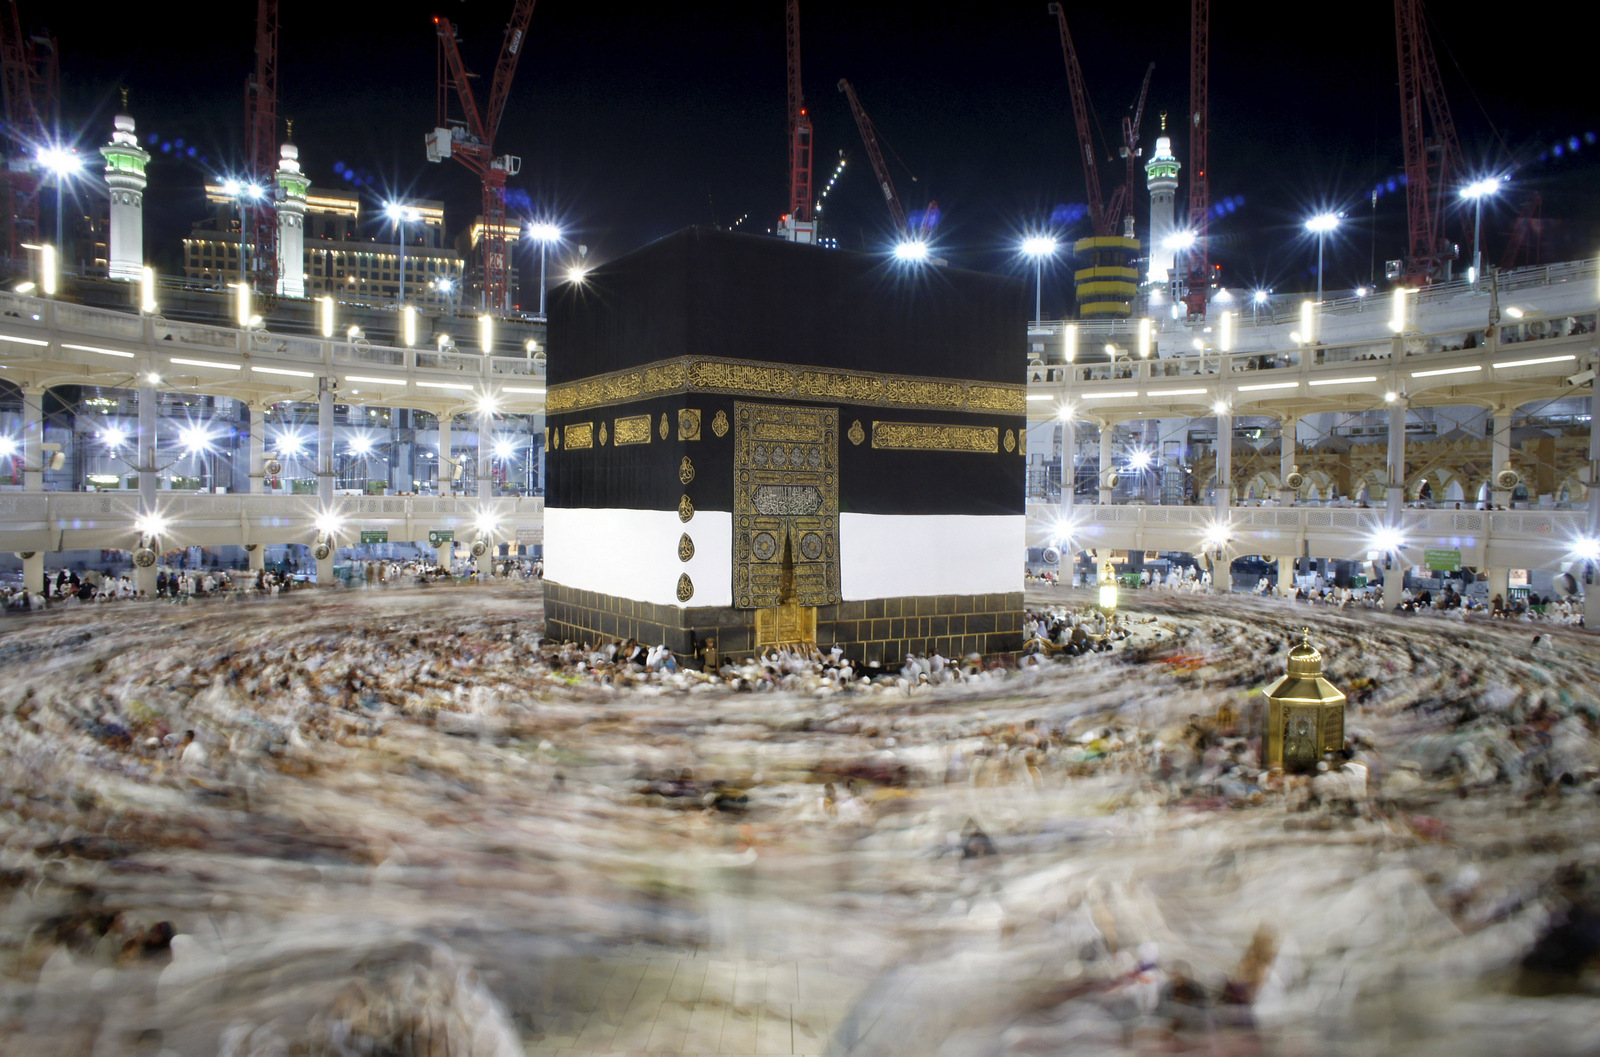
(869, 139)
(1121, 206)
(1199, 277)
(470, 140)
(1432, 150)
(261, 140)
(1098, 219)
(798, 225)
(31, 76)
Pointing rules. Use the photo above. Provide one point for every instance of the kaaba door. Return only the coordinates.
(786, 516)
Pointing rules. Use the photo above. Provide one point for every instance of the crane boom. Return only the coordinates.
(31, 74)
(1080, 116)
(798, 224)
(470, 139)
(869, 139)
(1199, 278)
(1430, 161)
(261, 132)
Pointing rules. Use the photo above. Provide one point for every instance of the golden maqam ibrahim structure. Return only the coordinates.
(1305, 713)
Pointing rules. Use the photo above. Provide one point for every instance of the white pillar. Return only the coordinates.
(33, 572)
(1500, 583)
(442, 555)
(32, 439)
(125, 176)
(1394, 501)
(485, 484)
(258, 557)
(258, 446)
(291, 223)
(1224, 494)
(149, 403)
(325, 569)
(325, 463)
(1286, 576)
(1591, 591)
(1107, 436)
(447, 466)
(1288, 442)
(1500, 447)
(1069, 475)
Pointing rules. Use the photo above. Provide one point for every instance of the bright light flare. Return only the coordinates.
(195, 438)
(503, 449)
(543, 232)
(487, 404)
(486, 523)
(114, 436)
(361, 445)
(1322, 223)
(575, 274)
(1216, 537)
(1261, 297)
(60, 161)
(911, 251)
(1065, 411)
(1479, 188)
(1179, 240)
(1219, 408)
(291, 443)
(1039, 246)
(8, 447)
(328, 523)
(1387, 538)
(1141, 459)
(150, 524)
(1586, 549)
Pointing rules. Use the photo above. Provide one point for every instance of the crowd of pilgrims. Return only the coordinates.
(71, 588)
(1027, 815)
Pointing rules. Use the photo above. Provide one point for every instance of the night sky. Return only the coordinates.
(635, 120)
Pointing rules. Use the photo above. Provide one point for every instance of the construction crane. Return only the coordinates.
(261, 140)
(1199, 273)
(470, 140)
(869, 139)
(1432, 150)
(1098, 219)
(32, 76)
(1120, 211)
(798, 225)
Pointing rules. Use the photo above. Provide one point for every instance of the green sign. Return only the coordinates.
(439, 537)
(1442, 561)
(1357, 583)
(374, 535)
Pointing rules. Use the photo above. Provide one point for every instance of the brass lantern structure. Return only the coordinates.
(1305, 713)
(1108, 590)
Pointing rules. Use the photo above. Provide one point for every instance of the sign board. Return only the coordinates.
(439, 537)
(1358, 583)
(527, 536)
(1517, 578)
(374, 535)
(1442, 561)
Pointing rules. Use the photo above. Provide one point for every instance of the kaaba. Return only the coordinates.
(754, 443)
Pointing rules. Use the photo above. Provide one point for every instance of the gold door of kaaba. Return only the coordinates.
(785, 517)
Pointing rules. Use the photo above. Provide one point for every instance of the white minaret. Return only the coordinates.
(1161, 177)
(292, 187)
(125, 165)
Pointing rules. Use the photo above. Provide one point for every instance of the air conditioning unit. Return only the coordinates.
(1507, 479)
(272, 467)
(480, 547)
(323, 550)
(1052, 556)
(144, 557)
(1296, 480)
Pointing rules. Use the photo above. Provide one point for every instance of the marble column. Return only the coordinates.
(1107, 457)
(485, 479)
(33, 572)
(1288, 442)
(325, 454)
(447, 464)
(32, 439)
(1286, 576)
(1394, 502)
(145, 442)
(1500, 446)
(1590, 577)
(258, 446)
(1069, 448)
(1224, 491)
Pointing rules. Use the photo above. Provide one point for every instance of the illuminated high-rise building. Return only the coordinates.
(1161, 177)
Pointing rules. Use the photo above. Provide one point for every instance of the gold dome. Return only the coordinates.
(1304, 660)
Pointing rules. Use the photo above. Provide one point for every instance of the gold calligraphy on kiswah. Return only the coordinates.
(923, 436)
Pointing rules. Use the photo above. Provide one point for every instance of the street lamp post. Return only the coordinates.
(1476, 192)
(1038, 247)
(544, 234)
(1319, 226)
(242, 194)
(401, 214)
(61, 163)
